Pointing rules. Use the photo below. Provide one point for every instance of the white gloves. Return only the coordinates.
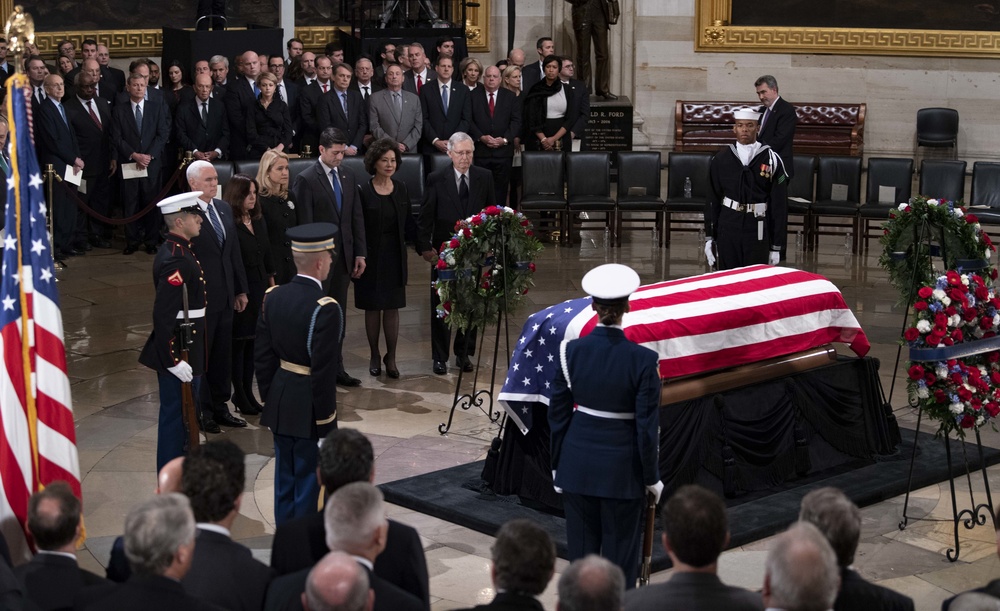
(556, 488)
(709, 243)
(182, 371)
(657, 490)
(773, 257)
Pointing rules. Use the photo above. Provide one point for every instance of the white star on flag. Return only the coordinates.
(539, 368)
(552, 330)
(8, 303)
(515, 366)
(568, 310)
(36, 181)
(527, 381)
(527, 353)
(541, 341)
(521, 341)
(46, 274)
(534, 327)
(552, 358)
(36, 247)
(9, 243)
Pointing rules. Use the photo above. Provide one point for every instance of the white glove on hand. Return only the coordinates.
(556, 488)
(182, 371)
(773, 257)
(709, 243)
(657, 490)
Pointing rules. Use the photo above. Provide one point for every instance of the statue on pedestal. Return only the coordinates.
(591, 21)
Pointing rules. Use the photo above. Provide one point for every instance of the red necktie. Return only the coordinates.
(420, 83)
(324, 88)
(93, 115)
(492, 105)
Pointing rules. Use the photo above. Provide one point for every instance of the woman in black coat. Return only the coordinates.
(271, 118)
(546, 122)
(381, 290)
(255, 247)
(278, 210)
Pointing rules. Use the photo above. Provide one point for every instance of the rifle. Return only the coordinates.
(647, 539)
(188, 413)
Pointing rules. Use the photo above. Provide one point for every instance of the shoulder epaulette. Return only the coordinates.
(326, 301)
(271, 288)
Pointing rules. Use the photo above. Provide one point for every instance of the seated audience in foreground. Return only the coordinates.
(591, 583)
(992, 589)
(524, 559)
(829, 510)
(695, 531)
(800, 573)
(338, 582)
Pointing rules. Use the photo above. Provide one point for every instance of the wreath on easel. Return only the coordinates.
(485, 268)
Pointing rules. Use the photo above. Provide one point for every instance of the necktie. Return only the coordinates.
(337, 192)
(256, 90)
(40, 94)
(138, 118)
(93, 115)
(763, 120)
(324, 88)
(444, 98)
(420, 83)
(343, 102)
(213, 217)
(204, 113)
(62, 113)
(281, 91)
(492, 105)
(463, 193)
(364, 93)
(397, 106)
(3, 163)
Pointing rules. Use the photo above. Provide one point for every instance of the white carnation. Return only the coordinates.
(939, 294)
(980, 420)
(933, 202)
(449, 259)
(959, 213)
(946, 301)
(941, 372)
(923, 393)
(956, 408)
(965, 279)
(902, 207)
(955, 321)
(996, 319)
(924, 326)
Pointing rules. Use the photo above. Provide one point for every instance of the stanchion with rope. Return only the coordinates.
(50, 177)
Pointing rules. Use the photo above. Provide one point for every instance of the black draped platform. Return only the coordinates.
(739, 443)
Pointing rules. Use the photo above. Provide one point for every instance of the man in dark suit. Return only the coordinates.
(839, 520)
(6, 68)
(160, 540)
(201, 125)
(364, 79)
(310, 102)
(140, 66)
(496, 122)
(139, 131)
(345, 109)
(777, 130)
(58, 146)
(347, 456)
(111, 75)
(218, 249)
(90, 118)
(695, 531)
(577, 103)
(591, 582)
(52, 578)
(418, 74)
(241, 99)
(102, 88)
(533, 72)
(524, 559)
(295, 357)
(327, 193)
(223, 572)
(355, 523)
(338, 582)
(453, 193)
(446, 106)
(394, 113)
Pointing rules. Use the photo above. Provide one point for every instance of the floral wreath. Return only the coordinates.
(960, 393)
(962, 241)
(473, 285)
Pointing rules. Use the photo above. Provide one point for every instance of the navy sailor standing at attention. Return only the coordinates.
(176, 270)
(295, 355)
(605, 421)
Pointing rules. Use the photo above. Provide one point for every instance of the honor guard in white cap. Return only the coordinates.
(737, 223)
(295, 356)
(176, 272)
(604, 416)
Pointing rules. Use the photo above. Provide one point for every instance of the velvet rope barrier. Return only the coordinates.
(138, 215)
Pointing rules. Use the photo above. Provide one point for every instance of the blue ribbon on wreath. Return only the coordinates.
(957, 351)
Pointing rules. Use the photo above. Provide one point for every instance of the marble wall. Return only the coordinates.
(666, 68)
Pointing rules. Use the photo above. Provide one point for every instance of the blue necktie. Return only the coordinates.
(138, 118)
(343, 102)
(62, 113)
(213, 217)
(444, 98)
(337, 191)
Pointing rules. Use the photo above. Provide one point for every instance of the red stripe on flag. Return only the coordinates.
(51, 472)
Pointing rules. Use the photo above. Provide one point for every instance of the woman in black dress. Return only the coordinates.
(272, 122)
(546, 122)
(241, 193)
(279, 212)
(381, 290)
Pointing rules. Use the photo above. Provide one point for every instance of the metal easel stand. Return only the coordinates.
(976, 514)
(478, 397)
(51, 176)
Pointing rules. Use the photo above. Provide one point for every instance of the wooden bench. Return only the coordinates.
(822, 129)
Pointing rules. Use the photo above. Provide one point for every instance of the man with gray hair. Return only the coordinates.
(159, 544)
(453, 193)
(829, 510)
(800, 573)
(338, 583)
(524, 559)
(591, 583)
(219, 65)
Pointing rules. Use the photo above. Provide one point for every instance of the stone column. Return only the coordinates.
(286, 19)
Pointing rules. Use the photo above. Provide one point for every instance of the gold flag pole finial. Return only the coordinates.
(20, 32)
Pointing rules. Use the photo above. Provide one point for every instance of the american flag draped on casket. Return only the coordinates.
(697, 325)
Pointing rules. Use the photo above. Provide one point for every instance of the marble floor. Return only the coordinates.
(106, 302)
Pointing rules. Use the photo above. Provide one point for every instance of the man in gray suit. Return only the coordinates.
(695, 532)
(394, 113)
(328, 193)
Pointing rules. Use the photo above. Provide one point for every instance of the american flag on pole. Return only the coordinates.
(698, 324)
(38, 443)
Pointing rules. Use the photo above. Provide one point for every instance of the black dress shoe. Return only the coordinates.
(227, 419)
(375, 367)
(440, 368)
(209, 426)
(129, 249)
(392, 372)
(345, 379)
(609, 96)
(464, 363)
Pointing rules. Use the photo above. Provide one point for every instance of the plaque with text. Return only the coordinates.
(610, 126)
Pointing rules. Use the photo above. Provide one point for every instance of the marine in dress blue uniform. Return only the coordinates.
(604, 416)
(175, 270)
(295, 357)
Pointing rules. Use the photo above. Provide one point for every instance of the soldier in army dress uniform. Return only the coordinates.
(295, 356)
(176, 270)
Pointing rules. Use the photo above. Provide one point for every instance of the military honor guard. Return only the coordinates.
(605, 421)
(743, 178)
(295, 356)
(176, 273)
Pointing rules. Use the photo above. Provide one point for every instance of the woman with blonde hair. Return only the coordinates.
(272, 123)
(278, 210)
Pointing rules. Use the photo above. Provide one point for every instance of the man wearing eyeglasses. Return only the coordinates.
(453, 193)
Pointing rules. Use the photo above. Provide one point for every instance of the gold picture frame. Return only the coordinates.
(714, 33)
